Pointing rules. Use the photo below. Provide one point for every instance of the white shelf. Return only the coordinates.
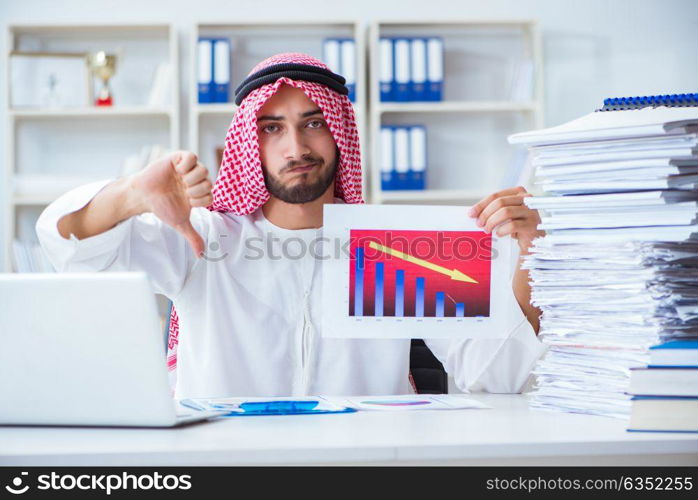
(215, 109)
(90, 30)
(457, 107)
(467, 150)
(458, 23)
(433, 195)
(226, 109)
(275, 23)
(40, 189)
(50, 151)
(27, 199)
(97, 112)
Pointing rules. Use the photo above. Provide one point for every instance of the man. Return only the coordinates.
(249, 306)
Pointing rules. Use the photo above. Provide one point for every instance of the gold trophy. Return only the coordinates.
(103, 66)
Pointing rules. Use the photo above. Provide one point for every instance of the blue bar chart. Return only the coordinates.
(440, 297)
(359, 292)
(379, 289)
(419, 298)
(399, 292)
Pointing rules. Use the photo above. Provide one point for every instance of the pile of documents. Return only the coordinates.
(617, 271)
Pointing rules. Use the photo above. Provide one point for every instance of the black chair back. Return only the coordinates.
(427, 372)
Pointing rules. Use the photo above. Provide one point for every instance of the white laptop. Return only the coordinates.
(84, 349)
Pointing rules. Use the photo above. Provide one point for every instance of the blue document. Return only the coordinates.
(248, 407)
(221, 70)
(435, 69)
(402, 74)
(387, 70)
(204, 75)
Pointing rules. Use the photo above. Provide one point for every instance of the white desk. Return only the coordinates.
(509, 434)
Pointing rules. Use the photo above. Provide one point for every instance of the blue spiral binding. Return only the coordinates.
(654, 101)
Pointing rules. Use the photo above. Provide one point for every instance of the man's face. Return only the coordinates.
(298, 153)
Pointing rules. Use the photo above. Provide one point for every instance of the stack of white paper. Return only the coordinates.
(618, 268)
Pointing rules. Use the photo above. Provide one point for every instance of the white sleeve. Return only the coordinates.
(501, 365)
(140, 243)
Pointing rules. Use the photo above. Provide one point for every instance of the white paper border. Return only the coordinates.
(340, 219)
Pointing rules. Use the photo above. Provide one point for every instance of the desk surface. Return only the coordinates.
(509, 434)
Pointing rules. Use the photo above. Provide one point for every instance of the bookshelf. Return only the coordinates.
(252, 42)
(467, 152)
(51, 150)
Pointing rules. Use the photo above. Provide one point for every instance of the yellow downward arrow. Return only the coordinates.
(455, 274)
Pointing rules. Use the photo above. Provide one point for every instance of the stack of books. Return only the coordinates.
(617, 271)
(665, 393)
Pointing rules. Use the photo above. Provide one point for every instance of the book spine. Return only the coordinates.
(348, 64)
(402, 69)
(402, 157)
(221, 70)
(331, 54)
(418, 66)
(387, 166)
(386, 79)
(435, 69)
(418, 157)
(205, 70)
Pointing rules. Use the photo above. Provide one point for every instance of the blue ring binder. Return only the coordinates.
(639, 102)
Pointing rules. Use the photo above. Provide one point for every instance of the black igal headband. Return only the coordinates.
(293, 71)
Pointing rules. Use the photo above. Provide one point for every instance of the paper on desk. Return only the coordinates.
(687, 207)
(670, 153)
(232, 404)
(635, 144)
(611, 200)
(617, 125)
(621, 235)
(641, 219)
(631, 165)
(401, 402)
(410, 402)
(643, 173)
(684, 182)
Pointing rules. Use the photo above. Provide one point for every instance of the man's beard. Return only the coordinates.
(301, 192)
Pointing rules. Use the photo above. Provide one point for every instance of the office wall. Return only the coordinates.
(592, 48)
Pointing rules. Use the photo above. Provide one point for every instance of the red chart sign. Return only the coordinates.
(419, 273)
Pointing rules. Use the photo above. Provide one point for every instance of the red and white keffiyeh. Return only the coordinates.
(240, 188)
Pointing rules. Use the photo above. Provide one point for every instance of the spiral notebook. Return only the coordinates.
(653, 101)
(630, 117)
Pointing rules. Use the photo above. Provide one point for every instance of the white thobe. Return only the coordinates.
(249, 313)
